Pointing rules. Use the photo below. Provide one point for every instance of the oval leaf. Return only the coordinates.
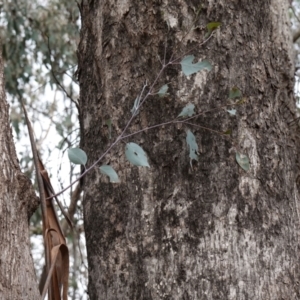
(232, 112)
(188, 68)
(110, 172)
(187, 111)
(163, 90)
(243, 161)
(136, 104)
(77, 156)
(191, 141)
(136, 155)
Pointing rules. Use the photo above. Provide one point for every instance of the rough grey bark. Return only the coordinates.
(17, 203)
(173, 232)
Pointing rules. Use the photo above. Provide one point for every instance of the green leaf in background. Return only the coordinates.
(242, 101)
(77, 156)
(188, 68)
(232, 112)
(228, 131)
(187, 111)
(235, 93)
(110, 172)
(45, 26)
(212, 26)
(243, 161)
(163, 90)
(136, 155)
(191, 141)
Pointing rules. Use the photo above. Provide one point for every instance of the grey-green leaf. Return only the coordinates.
(191, 141)
(163, 90)
(77, 156)
(243, 161)
(136, 155)
(135, 108)
(187, 111)
(110, 172)
(188, 68)
(232, 112)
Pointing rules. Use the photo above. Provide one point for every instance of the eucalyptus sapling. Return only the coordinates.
(133, 152)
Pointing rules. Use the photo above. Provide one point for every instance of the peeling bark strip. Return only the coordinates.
(214, 232)
(55, 283)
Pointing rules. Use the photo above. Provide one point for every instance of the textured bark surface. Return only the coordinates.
(17, 203)
(172, 232)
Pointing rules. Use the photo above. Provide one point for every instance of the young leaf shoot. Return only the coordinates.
(110, 172)
(187, 111)
(188, 68)
(163, 91)
(243, 161)
(136, 155)
(212, 26)
(77, 156)
(136, 104)
(191, 141)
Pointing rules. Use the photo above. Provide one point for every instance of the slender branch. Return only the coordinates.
(141, 103)
(72, 207)
(56, 79)
(121, 136)
(294, 12)
(208, 129)
(296, 36)
(175, 121)
(213, 109)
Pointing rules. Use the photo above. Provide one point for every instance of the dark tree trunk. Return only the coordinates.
(17, 203)
(213, 231)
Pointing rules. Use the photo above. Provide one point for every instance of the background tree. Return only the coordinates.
(39, 42)
(17, 203)
(176, 231)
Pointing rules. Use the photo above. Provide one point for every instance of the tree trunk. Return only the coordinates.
(176, 231)
(17, 203)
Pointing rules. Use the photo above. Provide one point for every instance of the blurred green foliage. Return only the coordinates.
(39, 41)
